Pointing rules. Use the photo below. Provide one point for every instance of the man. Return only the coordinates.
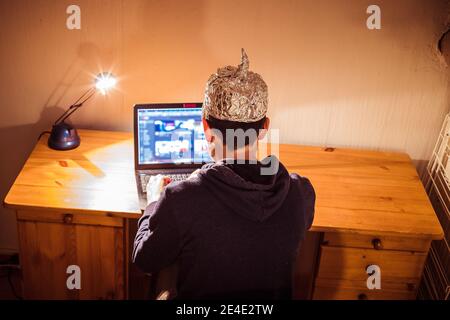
(235, 226)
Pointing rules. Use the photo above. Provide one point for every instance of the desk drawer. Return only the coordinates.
(69, 218)
(50, 242)
(351, 264)
(329, 289)
(335, 239)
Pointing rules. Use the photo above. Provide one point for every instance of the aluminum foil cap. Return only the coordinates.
(236, 94)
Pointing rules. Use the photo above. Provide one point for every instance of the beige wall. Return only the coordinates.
(332, 81)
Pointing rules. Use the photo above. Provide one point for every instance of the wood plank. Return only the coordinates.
(100, 256)
(341, 239)
(374, 222)
(58, 217)
(96, 177)
(331, 289)
(351, 264)
(47, 249)
(73, 200)
(44, 259)
(339, 284)
(329, 293)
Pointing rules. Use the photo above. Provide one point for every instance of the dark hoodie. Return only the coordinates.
(233, 232)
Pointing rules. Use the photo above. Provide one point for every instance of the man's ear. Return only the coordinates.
(207, 129)
(262, 133)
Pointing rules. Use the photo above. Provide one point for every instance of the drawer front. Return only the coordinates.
(69, 218)
(331, 293)
(48, 249)
(335, 239)
(336, 289)
(351, 264)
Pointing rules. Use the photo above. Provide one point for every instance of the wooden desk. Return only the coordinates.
(73, 207)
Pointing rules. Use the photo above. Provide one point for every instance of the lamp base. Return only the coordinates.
(63, 137)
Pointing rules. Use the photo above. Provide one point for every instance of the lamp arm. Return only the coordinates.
(89, 93)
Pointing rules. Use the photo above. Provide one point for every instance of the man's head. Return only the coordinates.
(235, 107)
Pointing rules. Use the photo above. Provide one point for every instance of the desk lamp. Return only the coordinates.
(63, 135)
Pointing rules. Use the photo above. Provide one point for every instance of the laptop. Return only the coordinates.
(168, 140)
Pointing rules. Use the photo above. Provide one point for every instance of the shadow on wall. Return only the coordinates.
(16, 143)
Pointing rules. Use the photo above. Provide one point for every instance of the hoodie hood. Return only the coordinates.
(244, 190)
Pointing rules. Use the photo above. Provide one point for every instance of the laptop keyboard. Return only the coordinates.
(173, 177)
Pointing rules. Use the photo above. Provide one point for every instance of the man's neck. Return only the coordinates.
(241, 155)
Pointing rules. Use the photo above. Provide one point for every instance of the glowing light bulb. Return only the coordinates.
(105, 81)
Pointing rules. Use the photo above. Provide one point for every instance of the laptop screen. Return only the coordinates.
(171, 136)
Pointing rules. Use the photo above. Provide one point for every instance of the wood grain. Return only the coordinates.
(331, 289)
(357, 191)
(351, 264)
(340, 239)
(45, 216)
(97, 177)
(48, 248)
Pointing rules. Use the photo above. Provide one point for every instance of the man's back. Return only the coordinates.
(233, 232)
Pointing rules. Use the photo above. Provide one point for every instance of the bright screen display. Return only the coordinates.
(172, 135)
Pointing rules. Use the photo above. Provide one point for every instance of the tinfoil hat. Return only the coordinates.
(236, 94)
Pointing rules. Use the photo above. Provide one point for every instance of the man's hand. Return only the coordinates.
(155, 187)
(194, 174)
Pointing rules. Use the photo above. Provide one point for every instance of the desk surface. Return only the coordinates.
(357, 191)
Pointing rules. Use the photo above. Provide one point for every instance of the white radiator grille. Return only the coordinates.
(435, 283)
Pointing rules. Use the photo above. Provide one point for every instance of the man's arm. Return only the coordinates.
(157, 242)
(310, 203)
(308, 198)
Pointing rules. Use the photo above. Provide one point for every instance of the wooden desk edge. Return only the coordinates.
(128, 215)
(429, 236)
(314, 228)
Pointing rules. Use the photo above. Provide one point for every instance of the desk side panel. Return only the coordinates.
(48, 248)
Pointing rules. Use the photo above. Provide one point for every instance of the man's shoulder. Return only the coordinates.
(302, 184)
(185, 188)
(296, 177)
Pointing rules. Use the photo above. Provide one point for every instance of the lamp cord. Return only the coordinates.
(42, 133)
